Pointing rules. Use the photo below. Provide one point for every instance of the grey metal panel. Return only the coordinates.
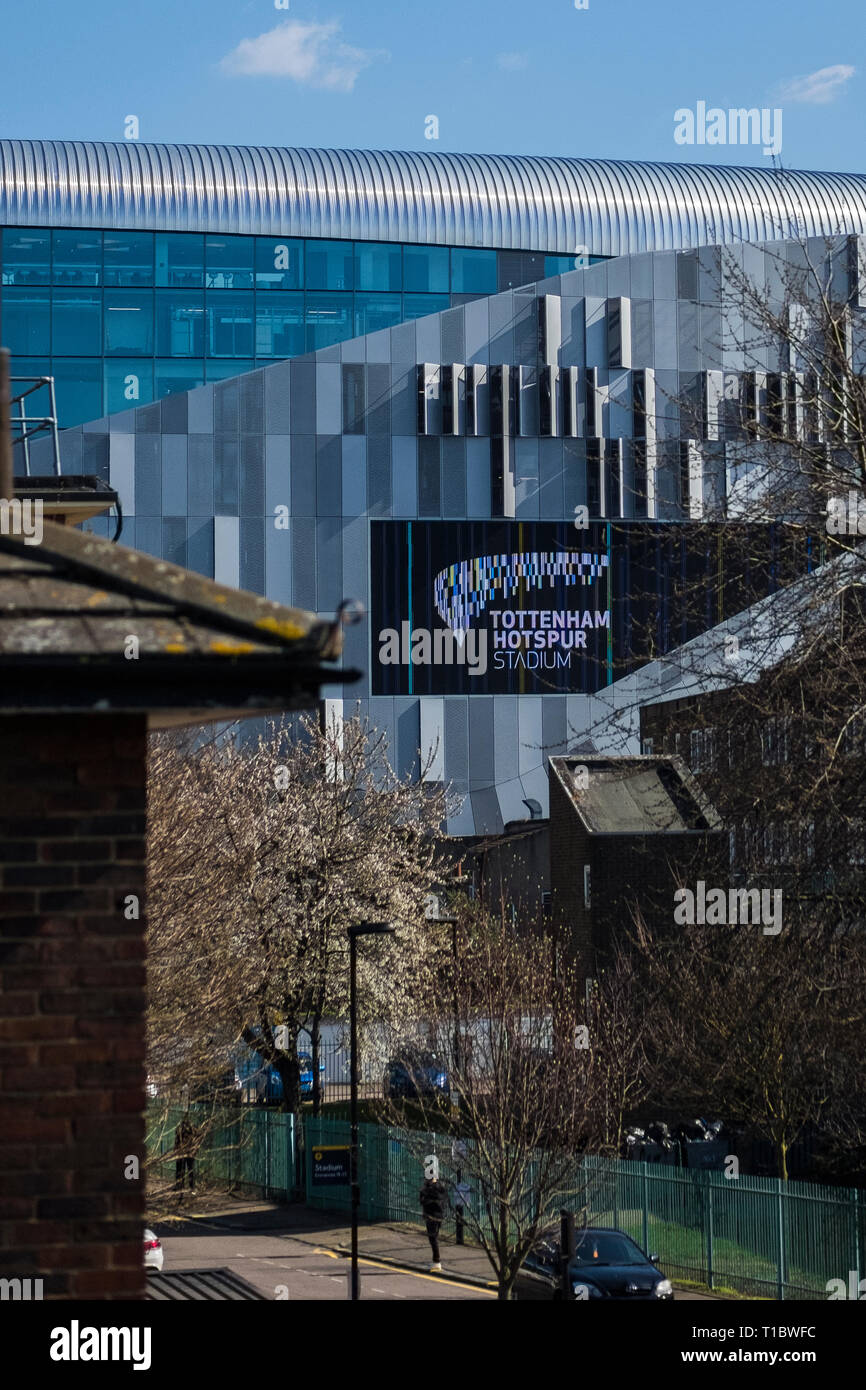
(451, 322)
(354, 474)
(513, 202)
(554, 725)
(227, 554)
(329, 564)
(304, 564)
(252, 475)
(303, 398)
(356, 565)
(379, 398)
(174, 480)
(226, 491)
(501, 308)
(303, 475)
(380, 711)
(145, 534)
(486, 812)
(122, 469)
(407, 726)
(379, 476)
(251, 391)
(200, 469)
(328, 398)
(457, 738)
(404, 464)
(428, 339)
(199, 411)
(482, 766)
(174, 414)
(278, 562)
(226, 406)
(526, 478)
(252, 554)
(453, 477)
(550, 472)
(476, 331)
(478, 477)
(329, 476)
(278, 418)
(148, 475)
(278, 478)
(404, 405)
(403, 342)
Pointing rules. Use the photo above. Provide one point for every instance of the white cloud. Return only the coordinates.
(308, 53)
(818, 88)
(511, 62)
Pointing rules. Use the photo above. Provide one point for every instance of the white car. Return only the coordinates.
(154, 1256)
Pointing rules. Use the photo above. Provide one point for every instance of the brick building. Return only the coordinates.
(98, 645)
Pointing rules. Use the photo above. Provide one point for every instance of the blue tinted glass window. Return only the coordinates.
(425, 269)
(329, 319)
(128, 259)
(179, 324)
(279, 263)
(329, 265)
(415, 306)
(221, 369)
(473, 272)
(77, 258)
(78, 386)
(76, 323)
(26, 256)
(128, 323)
(26, 321)
(375, 311)
(559, 265)
(377, 266)
(279, 325)
(179, 259)
(127, 384)
(229, 325)
(228, 262)
(172, 377)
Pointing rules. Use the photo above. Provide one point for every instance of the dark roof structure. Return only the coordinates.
(88, 625)
(647, 795)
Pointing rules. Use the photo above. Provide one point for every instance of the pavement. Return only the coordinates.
(304, 1252)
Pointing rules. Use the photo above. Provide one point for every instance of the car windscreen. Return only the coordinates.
(606, 1249)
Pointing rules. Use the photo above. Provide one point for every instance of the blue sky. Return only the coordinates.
(500, 75)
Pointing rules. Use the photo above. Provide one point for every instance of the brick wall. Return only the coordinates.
(72, 847)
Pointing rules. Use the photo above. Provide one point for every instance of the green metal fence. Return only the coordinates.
(758, 1236)
(242, 1148)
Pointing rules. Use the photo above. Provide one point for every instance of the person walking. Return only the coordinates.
(433, 1203)
(184, 1144)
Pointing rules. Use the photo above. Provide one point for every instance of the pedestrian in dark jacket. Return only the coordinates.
(433, 1205)
(185, 1146)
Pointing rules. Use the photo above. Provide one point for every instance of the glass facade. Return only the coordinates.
(124, 318)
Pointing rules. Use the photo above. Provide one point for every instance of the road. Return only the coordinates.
(300, 1269)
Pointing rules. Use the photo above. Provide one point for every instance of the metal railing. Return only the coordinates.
(760, 1237)
(26, 427)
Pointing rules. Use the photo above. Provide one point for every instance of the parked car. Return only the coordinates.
(154, 1256)
(607, 1263)
(416, 1073)
(264, 1081)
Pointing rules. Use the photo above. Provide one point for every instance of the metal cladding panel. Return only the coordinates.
(614, 207)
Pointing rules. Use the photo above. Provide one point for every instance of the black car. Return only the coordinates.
(607, 1264)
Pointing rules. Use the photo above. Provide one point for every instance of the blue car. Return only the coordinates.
(416, 1074)
(254, 1074)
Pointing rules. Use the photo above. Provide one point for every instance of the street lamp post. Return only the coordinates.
(362, 929)
(452, 922)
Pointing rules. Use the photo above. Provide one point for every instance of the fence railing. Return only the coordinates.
(757, 1236)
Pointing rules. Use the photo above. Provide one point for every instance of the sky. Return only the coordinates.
(493, 76)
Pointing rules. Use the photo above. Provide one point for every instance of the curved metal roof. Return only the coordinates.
(613, 207)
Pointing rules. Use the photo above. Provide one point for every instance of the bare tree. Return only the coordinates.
(507, 1027)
